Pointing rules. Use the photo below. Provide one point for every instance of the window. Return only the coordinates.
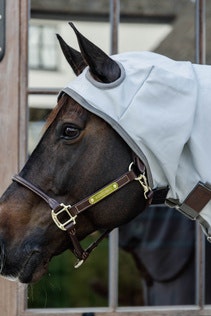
(42, 47)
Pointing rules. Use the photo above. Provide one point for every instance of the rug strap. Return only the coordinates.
(193, 205)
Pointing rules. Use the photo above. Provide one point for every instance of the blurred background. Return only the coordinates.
(156, 254)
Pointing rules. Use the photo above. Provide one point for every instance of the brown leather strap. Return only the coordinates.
(199, 197)
(50, 201)
(194, 203)
(78, 251)
(85, 203)
(82, 205)
(158, 196)
(196, 200)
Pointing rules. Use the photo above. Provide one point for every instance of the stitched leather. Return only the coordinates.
(50, 201)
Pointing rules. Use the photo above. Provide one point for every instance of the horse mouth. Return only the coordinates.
(33, 268)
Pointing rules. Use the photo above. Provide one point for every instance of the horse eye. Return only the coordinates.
(70, 132)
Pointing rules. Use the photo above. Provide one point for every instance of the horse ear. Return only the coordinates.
(73, 57)
(102, 67)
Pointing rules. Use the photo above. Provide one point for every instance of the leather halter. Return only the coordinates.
(136, 172)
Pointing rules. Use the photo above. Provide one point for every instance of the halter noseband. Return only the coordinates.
(136, 172)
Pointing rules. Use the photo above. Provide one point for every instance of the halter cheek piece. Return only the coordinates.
(136, 172)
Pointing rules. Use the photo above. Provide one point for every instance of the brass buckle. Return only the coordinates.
(142, 179)
(64, 208)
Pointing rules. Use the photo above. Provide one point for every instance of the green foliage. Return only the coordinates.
(87, 286)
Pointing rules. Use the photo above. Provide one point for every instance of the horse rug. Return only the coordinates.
(161, 108)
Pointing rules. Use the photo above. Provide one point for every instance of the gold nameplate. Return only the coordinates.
(103, 193)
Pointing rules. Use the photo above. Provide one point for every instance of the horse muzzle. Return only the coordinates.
(25, 268)
(26, 262)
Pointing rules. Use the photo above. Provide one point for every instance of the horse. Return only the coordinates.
(88, 173)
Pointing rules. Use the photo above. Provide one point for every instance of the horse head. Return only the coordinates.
(78, 154)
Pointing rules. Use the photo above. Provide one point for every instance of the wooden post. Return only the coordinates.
(13, 81)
